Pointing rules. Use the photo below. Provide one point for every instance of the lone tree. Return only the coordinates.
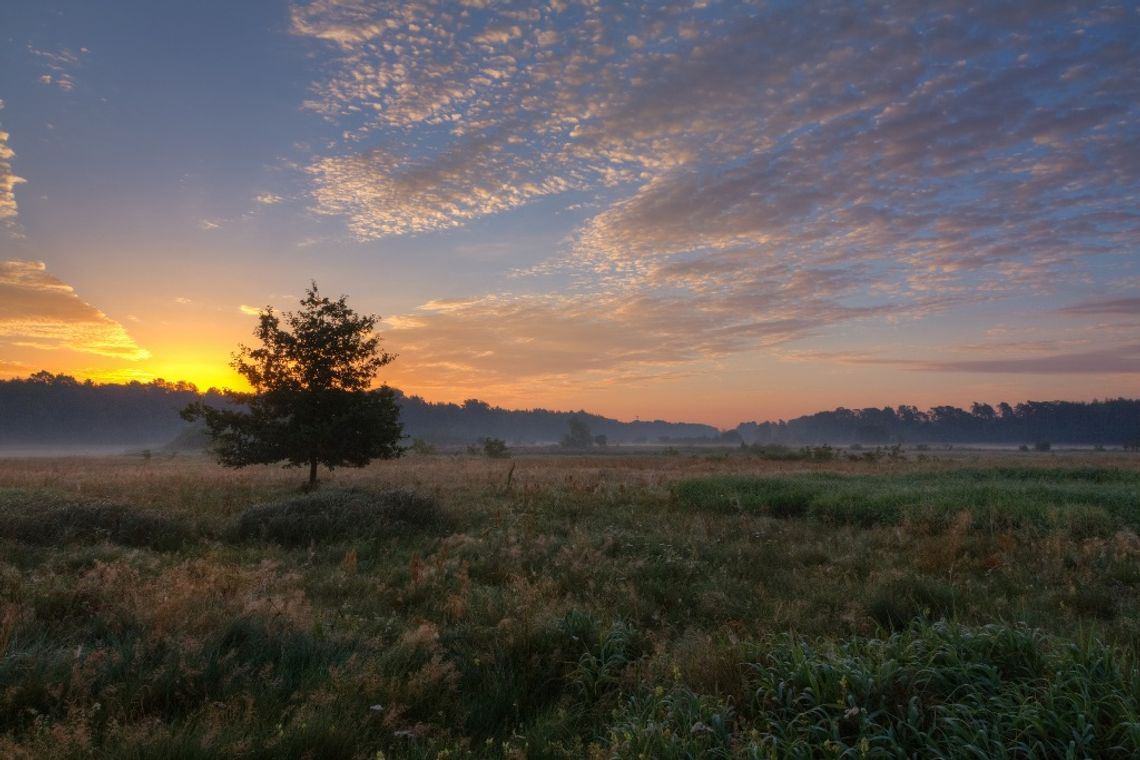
(311, 402)
(579, 436)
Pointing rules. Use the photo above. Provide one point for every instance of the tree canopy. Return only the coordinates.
(311, 403)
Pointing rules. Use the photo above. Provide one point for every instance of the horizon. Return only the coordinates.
(716, 212)
(186, 386)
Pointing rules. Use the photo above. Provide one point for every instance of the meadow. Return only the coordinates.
(622, 604)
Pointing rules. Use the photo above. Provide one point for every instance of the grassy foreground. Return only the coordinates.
(591, 606)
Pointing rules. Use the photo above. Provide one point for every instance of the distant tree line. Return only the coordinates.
(58, 410)
(47, 409)
(1112, 422)
(455, 424)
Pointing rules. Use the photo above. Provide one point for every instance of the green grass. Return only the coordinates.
(1091, 501)
(330, 515)
(54, 520)
(929, 691)
(589, 607)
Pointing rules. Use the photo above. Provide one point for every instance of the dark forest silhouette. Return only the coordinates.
(1112, 422)
(57, 410)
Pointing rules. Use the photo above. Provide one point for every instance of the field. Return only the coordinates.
(652, 604)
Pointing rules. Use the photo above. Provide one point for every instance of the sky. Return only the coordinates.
(703, 211)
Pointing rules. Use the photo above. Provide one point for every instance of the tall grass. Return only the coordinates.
(936, 690)
(331, 515)
(583, 606)
(1097, 501)
(54, 520)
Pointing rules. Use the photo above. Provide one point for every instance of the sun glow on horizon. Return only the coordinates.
(709, 212)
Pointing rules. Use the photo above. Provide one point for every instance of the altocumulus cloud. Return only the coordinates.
(8, 179)
(40, 311)
(766, 170)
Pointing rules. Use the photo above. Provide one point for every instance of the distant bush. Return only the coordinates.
(338, 515)
(775, 452)
(579, 436)
(496, 448)
(420, 446)
(47, 520)
(1042, 446)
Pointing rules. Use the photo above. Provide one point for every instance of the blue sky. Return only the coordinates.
(714, 211)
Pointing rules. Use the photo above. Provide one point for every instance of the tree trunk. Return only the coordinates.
(313, 471)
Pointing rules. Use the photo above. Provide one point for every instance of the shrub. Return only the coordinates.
(1042, 446)
(420, 446)
(776, 453)
(338, 515)
(496, 448)
(47, 520)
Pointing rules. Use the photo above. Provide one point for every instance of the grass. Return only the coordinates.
(622, 605)
(1089, 500)
(332, 515)
(936, 690)
(49, 520)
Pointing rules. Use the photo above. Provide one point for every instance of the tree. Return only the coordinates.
(579, 436)
(311, 402)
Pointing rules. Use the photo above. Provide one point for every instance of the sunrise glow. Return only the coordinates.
(712, 212)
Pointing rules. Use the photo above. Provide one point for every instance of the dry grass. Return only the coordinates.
(535, 617)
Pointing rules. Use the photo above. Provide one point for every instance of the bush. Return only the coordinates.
(1042, 446)
(420, 446)
(46, 520)
(339, 515)
(496, 448)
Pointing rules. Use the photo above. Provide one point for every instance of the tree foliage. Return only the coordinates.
(311, 402)
(579, 436)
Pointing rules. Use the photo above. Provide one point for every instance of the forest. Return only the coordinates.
(47, 410)
(1111, 422)
(56, 410)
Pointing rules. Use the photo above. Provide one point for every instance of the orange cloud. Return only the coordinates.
(42, 312)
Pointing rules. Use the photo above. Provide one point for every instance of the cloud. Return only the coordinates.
(267, 199)
(509, 340)
(1124, 359)
(8, 180)
(802, 165)
(411, 197)
(58, 65)
(1110, 306)
(888, 121)
(40, 311)
(208, 225)
(908, 133)
(252, 311)
(14, 369)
